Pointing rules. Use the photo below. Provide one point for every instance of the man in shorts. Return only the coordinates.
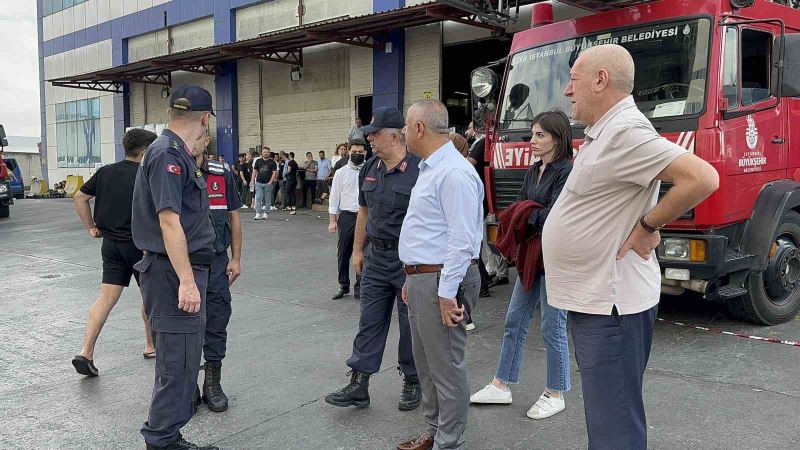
(112, 188)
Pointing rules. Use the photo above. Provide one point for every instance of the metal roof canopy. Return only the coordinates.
(286, 46)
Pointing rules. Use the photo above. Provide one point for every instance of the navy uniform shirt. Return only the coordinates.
(386, 195)
(169, 179)
(222, 198)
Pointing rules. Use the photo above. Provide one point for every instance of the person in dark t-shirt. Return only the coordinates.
(112, 188)
(265, 172)
(291, 184)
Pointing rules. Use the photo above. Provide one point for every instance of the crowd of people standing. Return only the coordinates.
(410, 222)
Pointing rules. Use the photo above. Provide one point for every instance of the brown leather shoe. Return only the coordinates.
(423, 442)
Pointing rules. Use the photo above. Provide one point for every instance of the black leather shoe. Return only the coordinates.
(212, 390)
(356, 393)
(484, 292)
(181, 444)
(340, 293)
(495, 281)
(411, 395)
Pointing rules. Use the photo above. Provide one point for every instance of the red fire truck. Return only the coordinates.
(718, 77)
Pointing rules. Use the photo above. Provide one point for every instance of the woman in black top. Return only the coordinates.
(552, 144)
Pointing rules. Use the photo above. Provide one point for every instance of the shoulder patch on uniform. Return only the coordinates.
(173, 168)
(403, 166)
(370, 179)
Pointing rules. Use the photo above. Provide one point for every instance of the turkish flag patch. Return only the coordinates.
(172, 168)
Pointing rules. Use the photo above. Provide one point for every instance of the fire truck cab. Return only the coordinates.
(718, 77)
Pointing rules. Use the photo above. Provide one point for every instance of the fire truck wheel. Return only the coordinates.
(4, 209)
(774, 294)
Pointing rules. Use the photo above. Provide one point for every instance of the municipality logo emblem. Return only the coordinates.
(215, 186)
(751, 134)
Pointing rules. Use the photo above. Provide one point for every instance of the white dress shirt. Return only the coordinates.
(444, 221)
(344, 191)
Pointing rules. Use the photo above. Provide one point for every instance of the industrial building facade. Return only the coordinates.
(290, 74)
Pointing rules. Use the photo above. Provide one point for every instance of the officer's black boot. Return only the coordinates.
(181, 444)
(354, 394)
(212, 390)
(411, 396)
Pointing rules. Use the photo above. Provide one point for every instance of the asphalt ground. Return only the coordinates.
(288, 342)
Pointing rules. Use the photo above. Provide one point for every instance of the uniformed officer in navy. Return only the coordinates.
(171, 224)
(385, 188)
(224, 203)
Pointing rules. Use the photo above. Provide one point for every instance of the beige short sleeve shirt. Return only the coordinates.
(612, 184)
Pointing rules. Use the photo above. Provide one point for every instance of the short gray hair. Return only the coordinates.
(179, 114)
(397, 131)
(434, 115)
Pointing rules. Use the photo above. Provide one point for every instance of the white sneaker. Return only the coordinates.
(546, 406)
(491, 395)
(257, 217)
(272, 208)
(264, 216)
(470, 326)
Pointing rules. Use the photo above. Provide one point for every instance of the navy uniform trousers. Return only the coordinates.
(178, 338)
(382, 280)
(218, 310)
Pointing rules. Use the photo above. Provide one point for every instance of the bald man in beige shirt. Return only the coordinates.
(599, 241)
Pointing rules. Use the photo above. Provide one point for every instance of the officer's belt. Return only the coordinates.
(428, 268)
(198, 258)
(383, 244)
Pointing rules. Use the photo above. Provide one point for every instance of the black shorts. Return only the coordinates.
(118, 261)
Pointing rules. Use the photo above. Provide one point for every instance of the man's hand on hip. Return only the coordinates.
(188, 298)
(452, 314)
(641, 241)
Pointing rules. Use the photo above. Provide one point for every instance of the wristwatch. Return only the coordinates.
(648, 227)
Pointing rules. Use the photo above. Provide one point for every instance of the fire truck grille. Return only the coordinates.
(507, 184)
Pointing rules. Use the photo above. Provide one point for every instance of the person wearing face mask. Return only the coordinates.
(343, 209)
(385, 185)
(551, 142)
(171, 225)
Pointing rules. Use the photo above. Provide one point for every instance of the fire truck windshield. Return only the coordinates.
(671, 70)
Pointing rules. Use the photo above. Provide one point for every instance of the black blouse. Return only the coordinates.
(545, 191)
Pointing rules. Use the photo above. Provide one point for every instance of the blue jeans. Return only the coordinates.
(263, 197)
(554, 333)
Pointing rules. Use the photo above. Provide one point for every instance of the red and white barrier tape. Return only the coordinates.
(730, 333)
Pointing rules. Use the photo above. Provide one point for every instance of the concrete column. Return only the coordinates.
(388, 69)
(226, 104)
(122, 110)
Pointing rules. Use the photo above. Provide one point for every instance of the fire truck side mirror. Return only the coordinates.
(791, 66)
(3, 140)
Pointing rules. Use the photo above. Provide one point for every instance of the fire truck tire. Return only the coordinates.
(774, 295)
(4, 211)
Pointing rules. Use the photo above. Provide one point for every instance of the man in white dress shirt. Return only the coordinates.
(440, 243)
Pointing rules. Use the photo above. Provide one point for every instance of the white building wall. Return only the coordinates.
(91, 13)
(197, 34)
(248, 94)
(360, 76)
(423, 63)
(281, 14)
(311, 114)
(80, 60)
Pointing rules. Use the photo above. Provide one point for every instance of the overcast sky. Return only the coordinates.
(19, 68)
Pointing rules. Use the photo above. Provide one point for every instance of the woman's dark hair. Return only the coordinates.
(556, 123)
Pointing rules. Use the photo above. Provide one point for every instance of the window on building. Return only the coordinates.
(78, 133)
(756, 65)
(54, 6)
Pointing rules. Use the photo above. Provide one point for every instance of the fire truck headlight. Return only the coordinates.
(483, 82)
(689, 250)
